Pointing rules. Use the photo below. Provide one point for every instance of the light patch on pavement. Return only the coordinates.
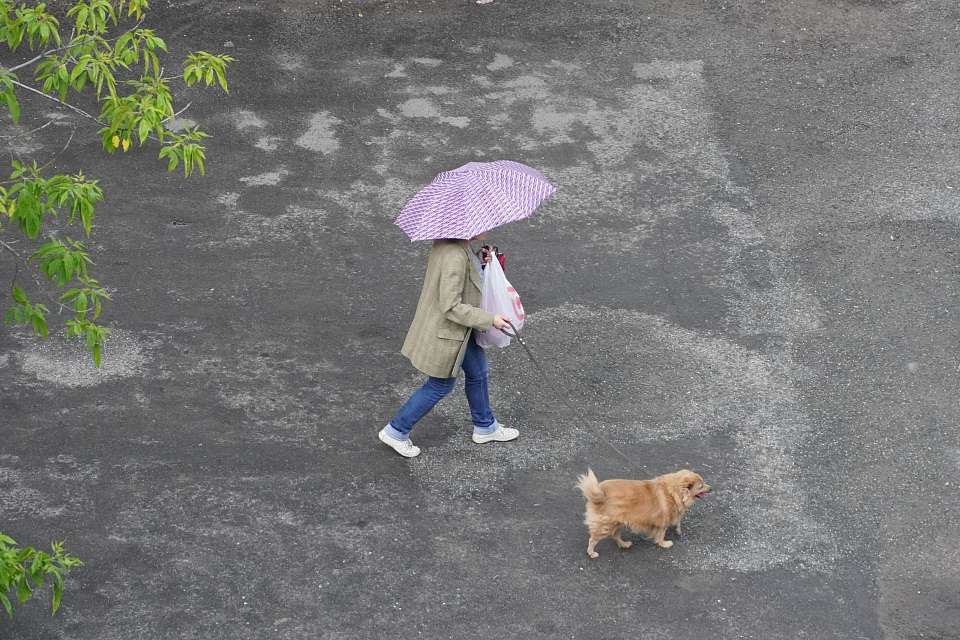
(782, 309)
(66, 493)
(657, 70)
(569, 67)
(181, 124)
(399, 71)
(428, 62)
(67, 363)
(245, 119)
(298, 223)
(18, 139)
(290, 61)
(460, 122)
(275, 391)
(523, 88)
(264, 517)
(362, 199)
(269, 143)
(500, 62)
(639, 381)
(426, 108)
(320, 135)
(229, 199)
(901, 200)
(738, 224)
(268, 178)
(419, 108)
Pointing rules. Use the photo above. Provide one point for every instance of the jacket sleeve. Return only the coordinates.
(453, 274)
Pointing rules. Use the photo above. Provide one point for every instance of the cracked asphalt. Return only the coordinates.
(749, 269)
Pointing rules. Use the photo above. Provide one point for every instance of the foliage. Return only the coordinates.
(24, 570)
(124, 74)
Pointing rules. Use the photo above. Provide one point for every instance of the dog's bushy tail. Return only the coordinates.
(590, 487)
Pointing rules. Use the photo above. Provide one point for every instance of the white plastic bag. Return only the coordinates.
(499, 298)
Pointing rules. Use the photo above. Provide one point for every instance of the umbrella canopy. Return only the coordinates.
(472, 199)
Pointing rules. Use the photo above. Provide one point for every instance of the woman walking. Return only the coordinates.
(441, 341)
(458, 205)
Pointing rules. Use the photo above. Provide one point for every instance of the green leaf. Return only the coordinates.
(13, 106)
(86, 217)
(74, 328)
(79, 69)
(23, 590)
(57, 595)
(68, 266)
(53, 267)
(19, 295)
(143, 131)
(6, 604)
(40, 325)
(38, 568)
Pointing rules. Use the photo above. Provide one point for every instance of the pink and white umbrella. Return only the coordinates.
(472, 199)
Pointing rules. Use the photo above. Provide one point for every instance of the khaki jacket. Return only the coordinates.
(449, 307)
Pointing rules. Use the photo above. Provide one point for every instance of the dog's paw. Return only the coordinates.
(626, 544)
(666, 544)
(593, 555)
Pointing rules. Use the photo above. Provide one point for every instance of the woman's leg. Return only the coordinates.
(475, 385)
(419, 404)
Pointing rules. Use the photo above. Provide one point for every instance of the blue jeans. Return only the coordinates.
(434, 389)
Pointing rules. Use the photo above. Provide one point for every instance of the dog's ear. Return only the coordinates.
(680, 488)
(689, 481)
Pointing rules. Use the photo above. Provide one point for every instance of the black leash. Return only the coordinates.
(564, 397)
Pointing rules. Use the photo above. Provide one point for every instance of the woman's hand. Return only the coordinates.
(500, 322)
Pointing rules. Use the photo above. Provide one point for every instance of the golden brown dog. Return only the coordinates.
(643, 506)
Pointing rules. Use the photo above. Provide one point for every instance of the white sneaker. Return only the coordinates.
(406, 448)
(502, 434)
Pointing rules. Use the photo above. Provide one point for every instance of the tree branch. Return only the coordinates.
(52, 158)
(16, 262)
(26, 133)
(76, 109)
(58, 153)
(58, 101)
(60, 306)
(31, 61)
(69, 45)
(177, 114)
